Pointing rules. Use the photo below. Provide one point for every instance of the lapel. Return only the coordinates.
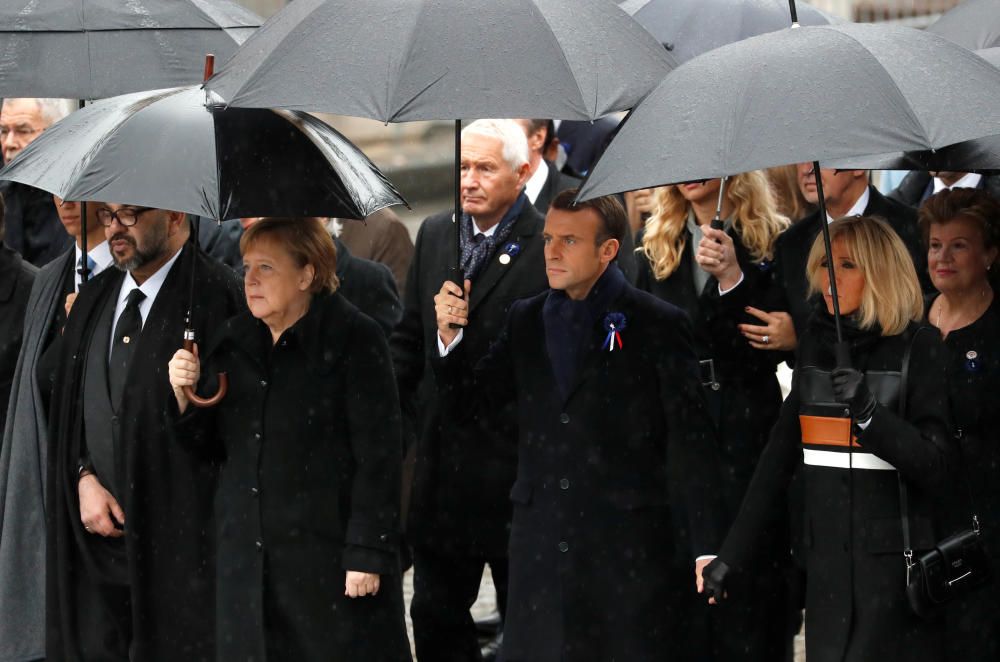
(166, 313)
(593, 355)
(526, 225)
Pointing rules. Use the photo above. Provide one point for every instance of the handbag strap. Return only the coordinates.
(904, 501)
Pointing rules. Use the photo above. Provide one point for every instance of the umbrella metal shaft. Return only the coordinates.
(827, 246)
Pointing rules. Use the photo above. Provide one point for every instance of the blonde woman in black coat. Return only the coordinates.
(307, 506)
(713, 275)
(842, 430)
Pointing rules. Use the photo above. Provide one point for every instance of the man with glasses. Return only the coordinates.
(129, 568)
(33, 227)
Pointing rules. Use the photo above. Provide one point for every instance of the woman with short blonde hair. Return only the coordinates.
(713, 274)
(892, 298)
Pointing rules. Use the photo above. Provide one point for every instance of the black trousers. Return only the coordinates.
(104, 604)
(444, 589)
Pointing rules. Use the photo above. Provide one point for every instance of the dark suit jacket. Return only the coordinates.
(792, 252)
(610, 478)
(464, 470)
(585, 142)
(369, 286)
(383, 238)
(919, 185)
(32, 226)
(555, 183)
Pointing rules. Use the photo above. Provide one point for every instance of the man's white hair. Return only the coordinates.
(509, 133)
(52, 110)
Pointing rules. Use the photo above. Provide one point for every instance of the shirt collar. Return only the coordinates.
(100, 254)
(537, 181)
(152, 285)
(858, 209)
(970, 180)
(513, 212)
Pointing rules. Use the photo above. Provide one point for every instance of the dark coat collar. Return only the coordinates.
(527, 224)
(10, 268)
(320, 333)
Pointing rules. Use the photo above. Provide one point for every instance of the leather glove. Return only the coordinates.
(850, 388)
(714, 578)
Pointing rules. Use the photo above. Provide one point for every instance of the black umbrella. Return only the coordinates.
(402, 60)
(802, 94)
(691, 27)
(91, 49)
(171, 149)
(973, 24)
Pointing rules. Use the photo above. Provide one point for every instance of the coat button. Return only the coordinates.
(255, 491)
(564, 418)
(384, 537)
(256, 435)
(263, 383)
(259, 545)
(563, 546)
(564, 484)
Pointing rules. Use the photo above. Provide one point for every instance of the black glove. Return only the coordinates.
(850, 388)
(713, 578)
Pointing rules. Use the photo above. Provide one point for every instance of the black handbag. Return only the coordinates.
(956, 565)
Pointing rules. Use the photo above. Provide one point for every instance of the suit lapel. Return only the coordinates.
(495, 269)
(595, 354)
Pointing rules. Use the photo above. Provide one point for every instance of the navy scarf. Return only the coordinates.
(570, 325)
(476, 253)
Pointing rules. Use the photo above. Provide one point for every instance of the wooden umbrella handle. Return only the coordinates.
(189, 393)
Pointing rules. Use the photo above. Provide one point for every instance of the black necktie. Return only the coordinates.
(126, 335)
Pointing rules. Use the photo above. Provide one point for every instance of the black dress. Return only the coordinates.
(309, 488)
(973, 625)
(744, 398)
(856, 606)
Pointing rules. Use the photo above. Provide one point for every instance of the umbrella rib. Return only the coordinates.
(548, 26)
(892, 82)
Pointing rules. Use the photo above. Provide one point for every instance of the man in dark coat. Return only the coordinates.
(381, 238)
(24, 450)
(130, 565)
(585, 142)
(920, 185)
(848, 193)
(369, 286)
(616, 448)
(459, 516)
(16, 277)
(32, 224)
(545, 181)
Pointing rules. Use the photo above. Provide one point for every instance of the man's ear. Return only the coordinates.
(609, 250)
(522, 174)
(174, 220)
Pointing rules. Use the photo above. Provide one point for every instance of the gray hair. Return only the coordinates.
(509, 133)
(51, 110)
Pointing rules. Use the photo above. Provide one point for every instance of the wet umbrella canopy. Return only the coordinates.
(974, 24)
(90, 49)
(691, 27)
(803, 94)
(166, 149)
(404, 60)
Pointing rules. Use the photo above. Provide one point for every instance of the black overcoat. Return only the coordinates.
(16, 277)
(555, 183)
(856, 607)
(609, 480)
(464, 469)
(791, 252)
(973, 624)
(168, 500)
(744, 397)
(309, 487)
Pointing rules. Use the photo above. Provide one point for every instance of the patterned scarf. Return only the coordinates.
(476, 250)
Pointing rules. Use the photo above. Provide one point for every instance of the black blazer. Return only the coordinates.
(919, 185)
(463, 470)
(610, 478)
(369, 286)
(792, 252)
(555, 183)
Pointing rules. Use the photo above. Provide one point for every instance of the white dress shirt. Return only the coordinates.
(970, 180)
(150, 288)
(857, 209)
(100, 254)
(537, 181)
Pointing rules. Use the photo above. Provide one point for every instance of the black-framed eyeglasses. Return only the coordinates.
(127, 216)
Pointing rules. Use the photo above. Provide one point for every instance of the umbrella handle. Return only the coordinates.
(189, 393)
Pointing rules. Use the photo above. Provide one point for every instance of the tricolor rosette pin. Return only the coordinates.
(614, 324)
